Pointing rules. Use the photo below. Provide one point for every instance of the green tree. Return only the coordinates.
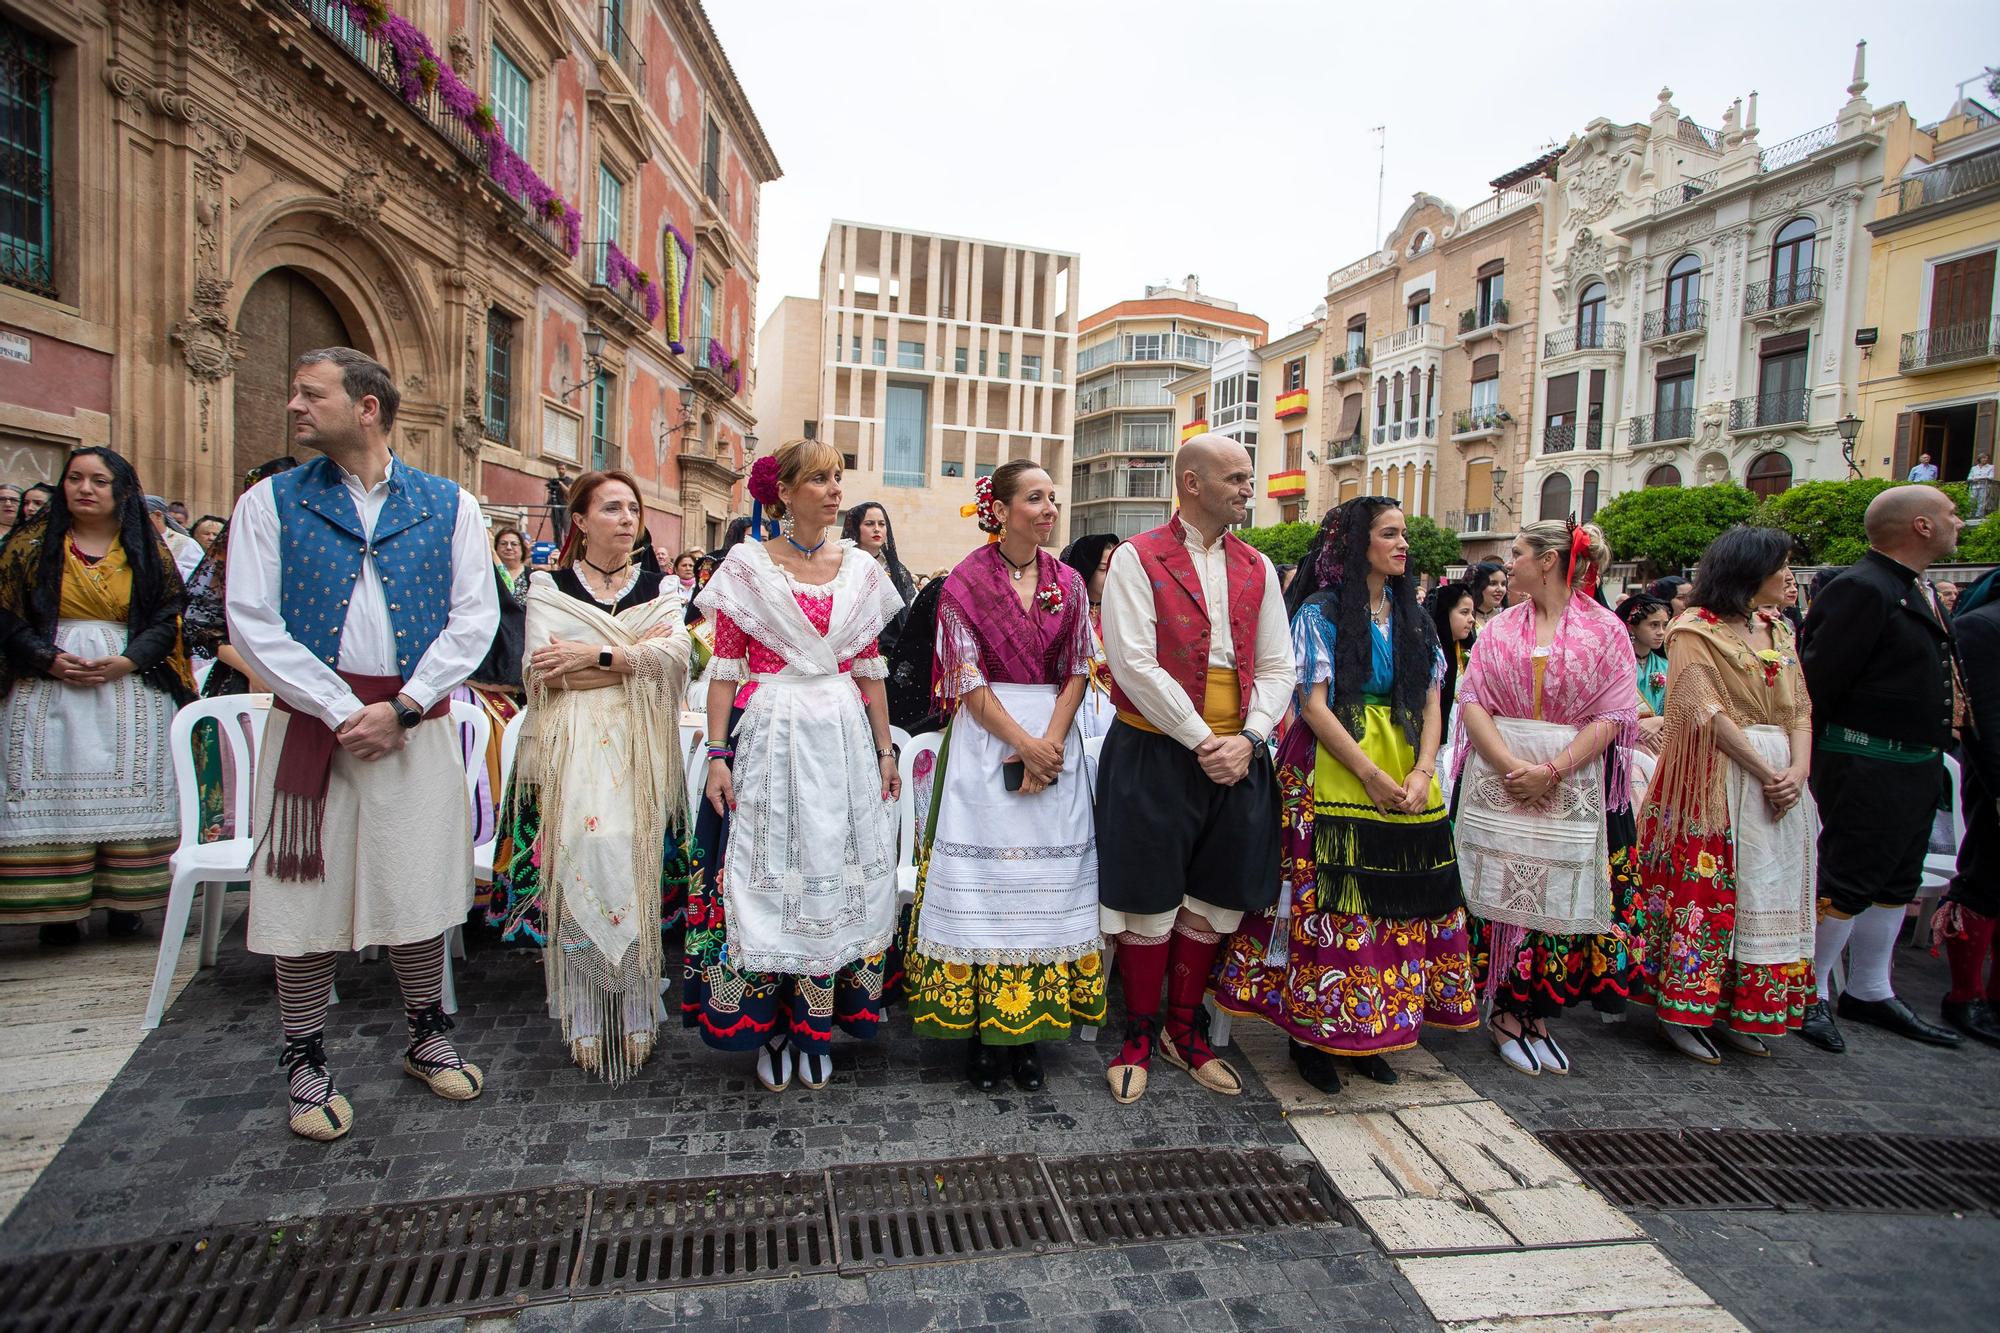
(1284, 543)
(1668, 527)
(1431, 547)
(1980, 544)
(1826, 517)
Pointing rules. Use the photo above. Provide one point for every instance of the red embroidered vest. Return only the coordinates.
(1183, 618)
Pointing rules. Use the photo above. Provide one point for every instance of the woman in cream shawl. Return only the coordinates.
(606, 670)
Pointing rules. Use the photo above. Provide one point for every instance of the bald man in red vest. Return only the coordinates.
(1187, 800)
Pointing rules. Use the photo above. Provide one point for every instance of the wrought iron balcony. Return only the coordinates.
(1351, 447)
(1475, 421)
(620, 48)
(1564, 438)
(1805, 287)
(1676, 423)
(1784, 407)
(1599, 335)
(618, 298)
(1950, 345)
(1690, 189)
(1470, 321)
(1949, 181)
(1796, 150)
(332, 18)
(1675, 320)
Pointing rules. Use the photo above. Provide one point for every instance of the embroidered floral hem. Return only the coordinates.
(1690, 915)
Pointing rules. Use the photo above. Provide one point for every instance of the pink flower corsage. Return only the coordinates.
(1051, 599)
(1658, 680)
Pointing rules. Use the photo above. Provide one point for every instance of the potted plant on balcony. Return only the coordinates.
(1339, 365)
(1468, 320)
(1499, 309)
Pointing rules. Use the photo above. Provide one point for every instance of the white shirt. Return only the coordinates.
(367, 638)
(186, 551)
(1131, 642)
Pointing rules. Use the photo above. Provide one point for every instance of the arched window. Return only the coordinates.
(1555, 496)
(1589, 510)
(1683, 290)
(1769, 474)
(1793, 277)
(1666, 474)
(1590, 316)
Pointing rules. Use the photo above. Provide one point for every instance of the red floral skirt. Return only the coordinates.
(1690, 894)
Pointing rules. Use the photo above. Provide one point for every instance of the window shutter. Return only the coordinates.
(1597, 389)
(1674, 369)
(1899, 466)
(1350, 416)
(1562, 395)
(1359, 321)
(1486, 367)
(1491, 267)
(1478, 487)
(1783, 343)
(1982, 429)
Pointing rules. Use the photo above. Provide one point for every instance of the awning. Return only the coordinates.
(1350, 417)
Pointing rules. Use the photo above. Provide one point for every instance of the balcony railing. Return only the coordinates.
(1676, 423)
(1689, 189)
(1796, 150)
(331, 17)
(1470, 321)
(1949, 181)
(1468, 420)
(1351, 447)
(1950, 344)
(1559, 439)
(1787, 289)
(1598, 336)
(1472, 520)
(624, 52)
(1782, 407)
(596, 257)
(1505, 201)
(1351, 363)
(1098, 398)
(1699, 135)
(1426, 334)
(1146, 348)
(1690, 317)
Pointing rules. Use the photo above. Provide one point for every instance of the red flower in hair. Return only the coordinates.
(985, 506)
(763, 485)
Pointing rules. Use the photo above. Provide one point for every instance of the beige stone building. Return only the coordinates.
(1430, 361)
(1127, 428)
(548, 232)
(928, 360)
(1263, 397)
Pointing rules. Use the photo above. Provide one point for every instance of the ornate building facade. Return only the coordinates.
(540, 214)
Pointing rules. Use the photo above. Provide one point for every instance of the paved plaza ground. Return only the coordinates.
(189, 1133)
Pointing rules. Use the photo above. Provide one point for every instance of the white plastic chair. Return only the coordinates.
(510, 747)
(908, 747)
(240, 718)
(1093, 746)
(694, 763)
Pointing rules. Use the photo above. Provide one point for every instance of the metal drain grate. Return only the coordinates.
(924, 1212)
(179, 1284)
(1188, 1192)
(409, 1261)
(1743, 1168)
(687, 1232)
(1654, 1168)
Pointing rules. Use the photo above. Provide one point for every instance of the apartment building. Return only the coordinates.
(1933, 321)
(1699, 302)
(542, 218)
(1131, 354)
(1262, 397)
(1429, 362)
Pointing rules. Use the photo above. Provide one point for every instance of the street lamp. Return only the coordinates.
(593, 359)
(1849, 427)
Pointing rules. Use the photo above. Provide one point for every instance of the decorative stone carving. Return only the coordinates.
(210, 347)
(1795, 195)
(1687, 231)
(458, 50)
(1714, 468)
(361, 198)
(414, 382)
(1593, 190)
(391, 293)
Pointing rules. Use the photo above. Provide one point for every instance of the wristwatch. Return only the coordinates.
(407, 714)
(604, 658)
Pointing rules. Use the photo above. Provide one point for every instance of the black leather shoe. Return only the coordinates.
(1820, 1029)
(982, 1066)
(1975, 1018)
(1028, 1068)
(61, 934)
(1316, 1067)
(1375, 1067)
(122, 925)
(1895, 1016)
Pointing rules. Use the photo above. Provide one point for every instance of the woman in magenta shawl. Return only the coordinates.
(1558, 656)
(1003, 940)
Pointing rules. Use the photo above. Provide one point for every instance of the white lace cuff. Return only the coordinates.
(728, 668)
(871, 668)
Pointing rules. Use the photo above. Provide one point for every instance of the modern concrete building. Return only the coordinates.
(1927, 377)
(547, 229)
(931, 360)
(1700, 297)
(1429, 368)
(1126, 433)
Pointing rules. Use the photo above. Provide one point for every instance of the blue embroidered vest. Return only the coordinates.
(321, 545)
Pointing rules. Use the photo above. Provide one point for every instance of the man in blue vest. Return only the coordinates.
(362, 590)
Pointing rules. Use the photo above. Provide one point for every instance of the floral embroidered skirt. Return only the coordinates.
(1690, 895)
(1543, 974)
(513, 902)
(1342, 981)
(735, 1010)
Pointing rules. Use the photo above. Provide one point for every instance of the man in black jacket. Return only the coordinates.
(1878, 663)
(1973, 1003)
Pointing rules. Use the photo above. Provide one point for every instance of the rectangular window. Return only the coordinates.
(1420, 309)
(706, 329)
(610, 210)
(27, 176)
(513, 98)
(959, 359)
(1295, 374)
(1200, 407)
(711, 161)
(1491, 290)
(1781, 379)
(854, 356)
(881, 350)
(1006, 365)
(1593, 429)
(1031, 367)
(909, 355)
(1295, 450)
(904, 430)
(1357, 342)
(1673, 406)
(499, 375)
(1145, 347)
(600, 421)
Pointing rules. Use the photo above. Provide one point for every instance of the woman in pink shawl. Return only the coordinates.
(1545, 829)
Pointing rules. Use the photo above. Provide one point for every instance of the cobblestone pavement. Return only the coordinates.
(1789, 1270)
(191, 1132)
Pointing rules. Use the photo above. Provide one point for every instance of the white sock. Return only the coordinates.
(1870, 951)
(1828, 940)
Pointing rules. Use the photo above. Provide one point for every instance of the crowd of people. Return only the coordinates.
(1323, 796)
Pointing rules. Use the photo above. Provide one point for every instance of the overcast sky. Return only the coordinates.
(1232, 138)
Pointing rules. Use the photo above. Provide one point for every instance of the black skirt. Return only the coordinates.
(1166, 832)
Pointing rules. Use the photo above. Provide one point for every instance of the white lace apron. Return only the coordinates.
(1545, 867)
(1777, 861)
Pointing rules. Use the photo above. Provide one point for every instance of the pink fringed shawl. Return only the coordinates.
(1591, 677)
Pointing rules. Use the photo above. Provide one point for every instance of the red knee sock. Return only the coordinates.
(1142, 962)
(1190, 959)
(1967, 948)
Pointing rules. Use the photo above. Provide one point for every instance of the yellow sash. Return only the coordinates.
(1221, 705)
